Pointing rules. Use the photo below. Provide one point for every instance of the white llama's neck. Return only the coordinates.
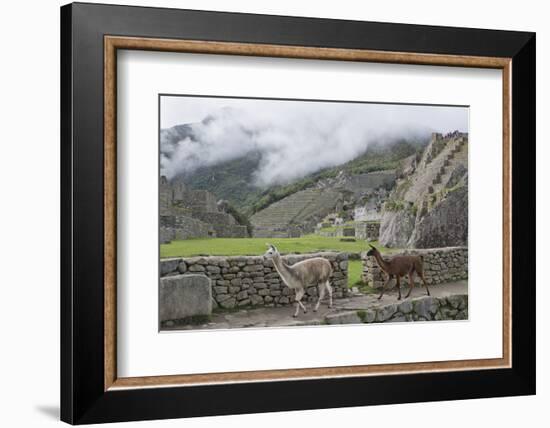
(282, 269)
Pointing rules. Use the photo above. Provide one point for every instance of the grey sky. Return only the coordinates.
(295, 138)
(176, 110)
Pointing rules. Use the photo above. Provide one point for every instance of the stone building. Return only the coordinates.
(187, 213)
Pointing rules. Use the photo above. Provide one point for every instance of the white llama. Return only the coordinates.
(316, 270)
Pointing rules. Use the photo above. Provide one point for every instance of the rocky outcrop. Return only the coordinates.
(396, 228)
(445, 225)
(427, 308)
(458, 174)
(429, 205)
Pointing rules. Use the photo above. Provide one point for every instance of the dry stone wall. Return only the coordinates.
(241, 281)
(425, 308)
(440, 265)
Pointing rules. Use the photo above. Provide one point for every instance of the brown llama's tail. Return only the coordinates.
(419, 265)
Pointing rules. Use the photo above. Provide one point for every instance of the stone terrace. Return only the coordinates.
(290, 215)
(243, 281)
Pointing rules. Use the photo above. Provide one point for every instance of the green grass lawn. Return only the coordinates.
(355, 268)
(257, 246)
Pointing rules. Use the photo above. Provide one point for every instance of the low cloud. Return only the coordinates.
(294, 138)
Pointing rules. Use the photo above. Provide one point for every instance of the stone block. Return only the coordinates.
(253, 268)
(386, 312)
(367, 316)
(168, 265)
(350, 317)
(406, 306)
(184, 296)
(242, 295)
(229, 303)
(257, 300)
(457, 301)
(222, 297)
(425, 307)
(182, 267)
(398, 318)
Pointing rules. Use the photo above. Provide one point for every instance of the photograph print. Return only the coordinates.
(283, 212)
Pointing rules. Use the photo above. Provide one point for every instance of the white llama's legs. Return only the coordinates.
(321, 290)
(299, 294)
(329, 289)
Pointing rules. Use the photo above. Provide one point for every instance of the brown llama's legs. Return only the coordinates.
(411, 284)
(398, 278)
(384, 287)
(424, 281)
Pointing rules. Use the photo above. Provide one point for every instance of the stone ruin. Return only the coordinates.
(370, 205)
(428, 207)
(301, 213)
(187, 213)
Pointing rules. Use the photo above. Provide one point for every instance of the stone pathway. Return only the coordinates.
(282, 316)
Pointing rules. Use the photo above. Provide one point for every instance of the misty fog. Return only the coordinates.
(295, 138)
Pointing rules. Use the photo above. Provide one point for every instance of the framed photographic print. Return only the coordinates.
(273, 213)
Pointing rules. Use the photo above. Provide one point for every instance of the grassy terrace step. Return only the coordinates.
(257, 246)
(293, 209)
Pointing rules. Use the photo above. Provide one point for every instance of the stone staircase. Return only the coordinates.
(432, 172)
(294, 214)
(455, 153)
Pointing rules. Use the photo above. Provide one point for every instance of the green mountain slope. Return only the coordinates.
(233, 180)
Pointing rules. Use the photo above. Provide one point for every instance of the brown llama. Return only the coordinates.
(398, 266)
